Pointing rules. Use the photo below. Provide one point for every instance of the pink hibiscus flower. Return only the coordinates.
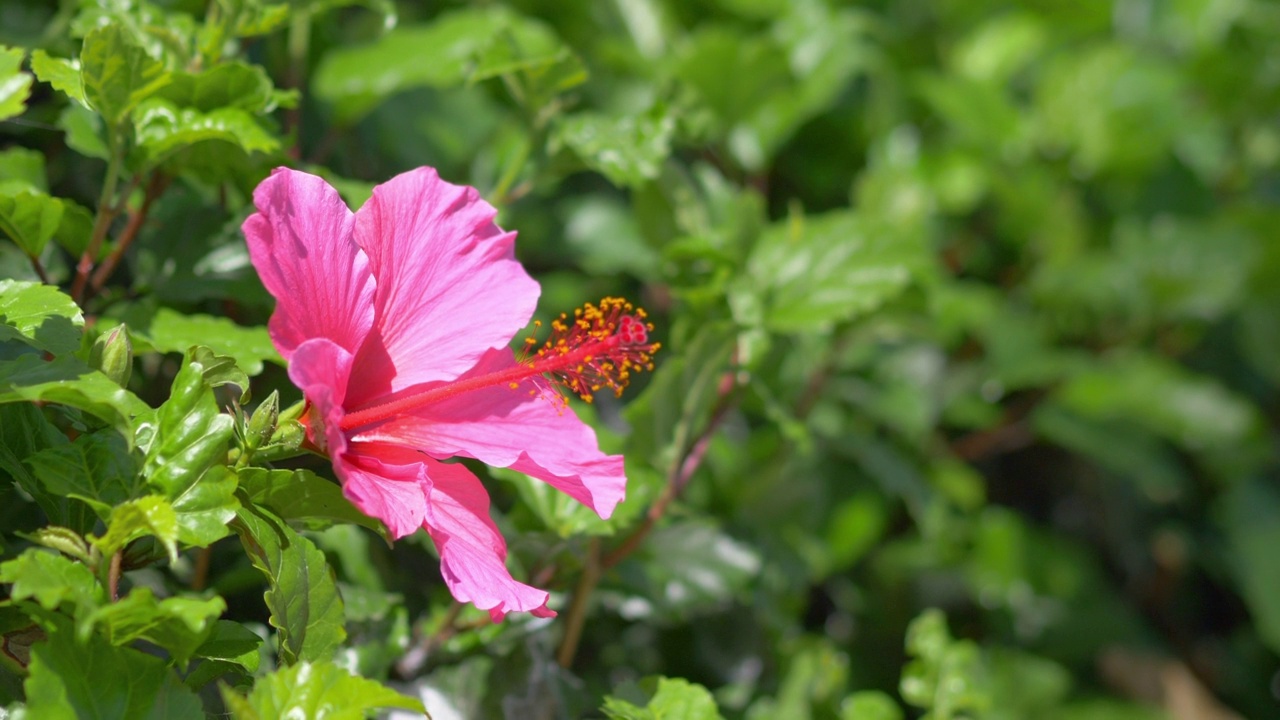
(395, 321)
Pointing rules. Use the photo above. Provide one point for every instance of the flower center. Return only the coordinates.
(598, 348)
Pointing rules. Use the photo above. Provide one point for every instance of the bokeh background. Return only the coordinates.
(967, 404)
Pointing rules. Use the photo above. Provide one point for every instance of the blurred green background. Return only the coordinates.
(967, 305)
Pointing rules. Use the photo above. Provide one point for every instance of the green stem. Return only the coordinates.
(39, 268)
(299, 48)
(155, 187)
(576, 617)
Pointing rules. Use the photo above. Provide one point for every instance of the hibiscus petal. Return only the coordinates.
(300, 242)
(448, 285)
(472, 552)
(506, 427)
(385, 482)
(321, 369)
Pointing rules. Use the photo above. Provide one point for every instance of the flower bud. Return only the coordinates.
(263, 423)
(112, 354)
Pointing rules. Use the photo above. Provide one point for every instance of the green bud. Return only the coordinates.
(263, 423)
(64, 540)
(112, 353)
(289, 435)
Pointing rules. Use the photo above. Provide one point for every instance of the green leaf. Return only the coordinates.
(815, 272)
(385, 8)
(22, 169)
(589, 219)
(24, 433)
(231, 642)
(870, 705)
(303, 496)
(39, 315)
(171, 331)
(67, 381)
(30, 219)
(51, 579)
(1125, 448)
(64, 540)
(628, 150)
(816, 672)
(693, 566)
(147, 516)
(1247, 517)
(680, 398)
(15, 85)
(75, 229)
(220, 370)
(672, 698)
(185, 446)
(96, 468)
(177, 624)
(947, 676)
(64, 75)
(227, 85)
(315, 690)
(825, 48)
(92, 680)
(162, 129)
(239, 19)
(458, 46)
(301, 593)
(1194, 411)
(117, 72)
(530, 47)
(83, 128)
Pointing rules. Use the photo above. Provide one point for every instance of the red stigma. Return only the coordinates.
(598, 348)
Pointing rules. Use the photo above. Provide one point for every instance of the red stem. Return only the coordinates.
(155, 187)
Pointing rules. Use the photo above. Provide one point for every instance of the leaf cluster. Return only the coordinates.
(966, 406)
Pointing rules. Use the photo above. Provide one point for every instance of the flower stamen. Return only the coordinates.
(600, 347)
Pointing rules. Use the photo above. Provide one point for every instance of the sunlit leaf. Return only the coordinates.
(818, 271)
(458, 46)
(15, 85)
(39, 315)
(304, 497)
(146, 516)
(62, 74)
(185, 445)
(51, 579)
(312, 690)
(226, 85)
(170, 331)
(627, 150)
(67, 381)
(163, 128)
(117, 72)
(671, 698)
(177, 624)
